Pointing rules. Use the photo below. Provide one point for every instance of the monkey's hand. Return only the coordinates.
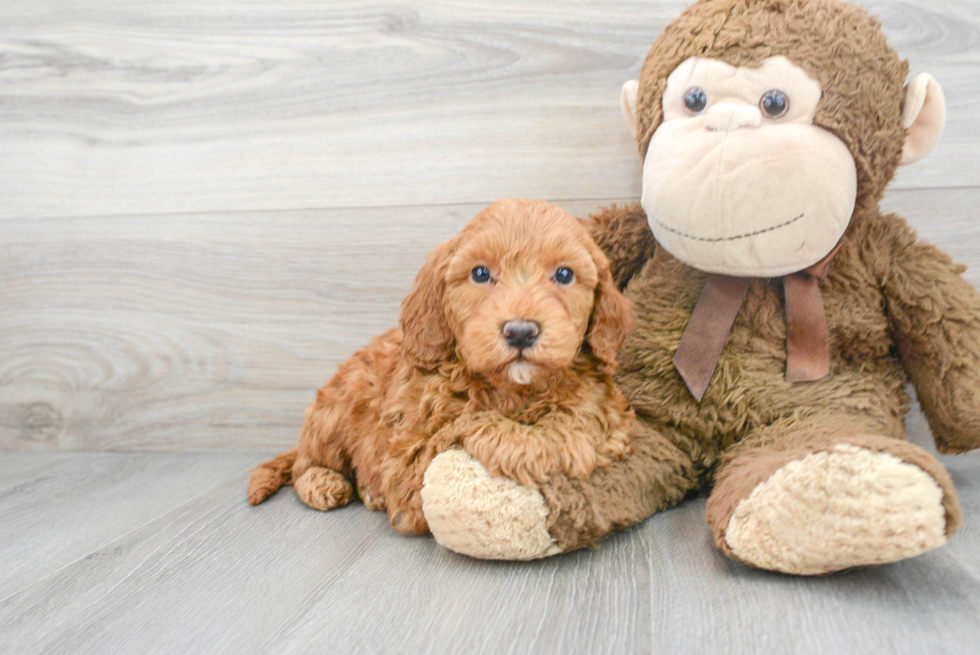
(475, 513)
(935, 319)
(625, 238)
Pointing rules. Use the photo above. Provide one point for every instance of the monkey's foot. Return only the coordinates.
(831, 510)
(472, 513)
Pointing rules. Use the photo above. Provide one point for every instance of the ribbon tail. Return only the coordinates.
(807, 342)
(708, 329)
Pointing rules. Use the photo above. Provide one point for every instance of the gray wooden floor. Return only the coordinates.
(205, 206)
(154, 552)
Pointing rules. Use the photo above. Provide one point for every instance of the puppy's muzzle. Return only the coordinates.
(521, 334)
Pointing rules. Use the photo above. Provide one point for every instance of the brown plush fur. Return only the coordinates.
(897, 308)
(442, 379)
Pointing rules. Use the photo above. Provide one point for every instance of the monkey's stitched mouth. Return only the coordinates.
(718, 239)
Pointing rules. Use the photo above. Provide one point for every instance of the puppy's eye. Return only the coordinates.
(564, 276)
(695, 100)
(480, 275)
(774, 103)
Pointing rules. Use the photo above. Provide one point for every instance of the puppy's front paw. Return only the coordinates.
(521, 455)
(472, 513)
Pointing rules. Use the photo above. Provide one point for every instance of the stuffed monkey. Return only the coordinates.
(780, 312)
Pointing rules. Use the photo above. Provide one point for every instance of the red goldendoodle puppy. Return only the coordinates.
(507, 343)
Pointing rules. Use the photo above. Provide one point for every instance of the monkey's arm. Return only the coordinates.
(935, 319)
(473, 513)
(624, 236)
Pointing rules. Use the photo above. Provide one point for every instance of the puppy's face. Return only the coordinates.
(523, 286)
(519, 295)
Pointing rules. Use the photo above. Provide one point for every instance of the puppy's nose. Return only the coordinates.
(521, 334)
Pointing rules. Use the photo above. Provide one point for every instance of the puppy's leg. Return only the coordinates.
(322, 488)
(405, 466)
(404, 471)
(372, 501)
(343, 436)
(321, 469)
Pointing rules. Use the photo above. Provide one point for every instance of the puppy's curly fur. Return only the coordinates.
(448, 376)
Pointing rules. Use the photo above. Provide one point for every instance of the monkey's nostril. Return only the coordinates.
(521, 334)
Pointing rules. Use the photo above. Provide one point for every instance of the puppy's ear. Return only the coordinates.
(612, 317)
(426, 337)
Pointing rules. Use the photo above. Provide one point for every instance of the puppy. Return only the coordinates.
(507, 343)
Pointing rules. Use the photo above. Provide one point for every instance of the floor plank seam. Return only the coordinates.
(104, 545)
(349, 562)
(169, 546)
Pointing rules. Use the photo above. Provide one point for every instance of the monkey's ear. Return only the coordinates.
(627, 101)
(924, 117)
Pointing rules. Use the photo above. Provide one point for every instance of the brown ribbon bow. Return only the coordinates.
(807, 349)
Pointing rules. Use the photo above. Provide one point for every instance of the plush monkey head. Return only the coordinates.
(766, 125)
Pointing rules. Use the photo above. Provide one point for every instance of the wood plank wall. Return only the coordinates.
(204, 206)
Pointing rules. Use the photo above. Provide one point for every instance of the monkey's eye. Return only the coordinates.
(695, 100)
(480, 275)
(564, 276)
(774, 103)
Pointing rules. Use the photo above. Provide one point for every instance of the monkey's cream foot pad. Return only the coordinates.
(836, 510)
(472, 513)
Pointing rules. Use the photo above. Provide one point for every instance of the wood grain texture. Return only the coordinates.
(195, 331)
(215, 575)
(56, 508)
(111, 109)
(213, 331)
